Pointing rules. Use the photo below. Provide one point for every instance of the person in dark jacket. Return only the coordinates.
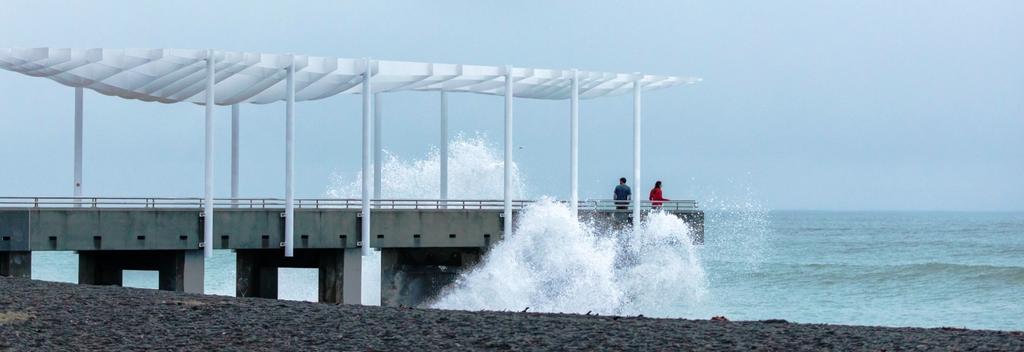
(622, 194)
(656, 197)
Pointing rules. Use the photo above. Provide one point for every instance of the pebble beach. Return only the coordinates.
(47, 316)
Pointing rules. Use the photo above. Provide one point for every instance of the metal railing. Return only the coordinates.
(604, 205)
(625, 205)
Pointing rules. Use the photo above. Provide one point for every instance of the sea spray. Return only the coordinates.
(553, 262)
(738, 228)
(666, 269)
(475, 171)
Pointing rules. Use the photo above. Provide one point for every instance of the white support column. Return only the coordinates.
(208, 192)
(443, 145)
(367, 93)
(509, 92)
(378, 149)
(574, 143)
(289, 163)
(637, 190)
(78, 145)
(234, 154)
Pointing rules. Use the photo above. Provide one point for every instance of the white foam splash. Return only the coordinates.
(475, 171)
(739, 228)
(554, 263)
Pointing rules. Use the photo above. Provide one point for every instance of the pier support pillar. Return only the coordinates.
(353, 276)
(256, 272)
(252, 277)
(179, 270)
(16, 264)
(415, 276)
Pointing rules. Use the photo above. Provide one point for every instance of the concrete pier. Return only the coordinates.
(256, 272)
(16, 264)
(622, 219)
(179, 270)
(414, 276)
(424, 251)
(424, 245)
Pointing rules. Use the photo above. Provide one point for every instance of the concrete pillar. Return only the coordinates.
(16, 264)
(189, 272)
(353, 276)
(95, 269)
(331, 277)
(178, 270)
(415, 276)
(252, 277)
(256, 272)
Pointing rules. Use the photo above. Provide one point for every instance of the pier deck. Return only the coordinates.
(423, 243)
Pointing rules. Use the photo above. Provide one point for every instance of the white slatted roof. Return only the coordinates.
(178, 75)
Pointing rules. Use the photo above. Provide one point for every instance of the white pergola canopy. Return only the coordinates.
(178, 75)
(231, 78)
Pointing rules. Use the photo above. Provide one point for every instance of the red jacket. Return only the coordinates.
(656, 198)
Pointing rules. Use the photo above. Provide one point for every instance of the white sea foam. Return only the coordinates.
(475, 171)
(554, 263)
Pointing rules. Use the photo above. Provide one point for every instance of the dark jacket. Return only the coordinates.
(622, 192)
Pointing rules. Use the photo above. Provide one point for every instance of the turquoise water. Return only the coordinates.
(925, 269)
(294, 284)
(866, 268)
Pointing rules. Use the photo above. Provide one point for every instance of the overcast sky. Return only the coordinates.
(859, 105)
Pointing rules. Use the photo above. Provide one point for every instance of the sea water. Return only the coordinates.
(926, 269)
(929, 269)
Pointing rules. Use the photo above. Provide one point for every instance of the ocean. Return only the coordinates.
(922, 269)
(925, 269)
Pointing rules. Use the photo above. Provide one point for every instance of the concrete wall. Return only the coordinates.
(16, 264)
(414, 276)
(179, 270)
(422, 250)
(621, 219)
(436, 228)
(88, 229)
(14, 230)
(256, 272)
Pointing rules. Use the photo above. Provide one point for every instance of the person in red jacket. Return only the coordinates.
(656, 198)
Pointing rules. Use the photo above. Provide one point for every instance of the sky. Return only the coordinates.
(837, 105)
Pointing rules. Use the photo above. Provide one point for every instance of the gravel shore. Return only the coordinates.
(37, 315)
